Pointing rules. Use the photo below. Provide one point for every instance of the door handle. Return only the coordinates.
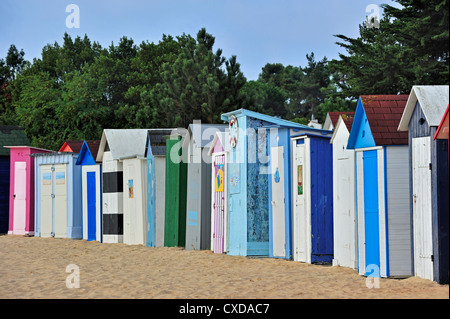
(14, 196)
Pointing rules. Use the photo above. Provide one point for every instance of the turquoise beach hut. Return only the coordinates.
(254, 229)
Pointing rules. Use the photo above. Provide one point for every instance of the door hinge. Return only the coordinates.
(429, 165)
(432, 258)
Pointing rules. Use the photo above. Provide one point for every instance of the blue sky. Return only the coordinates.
(256, 31)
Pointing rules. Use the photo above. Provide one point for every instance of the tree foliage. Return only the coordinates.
(410, 47)
(77, 88)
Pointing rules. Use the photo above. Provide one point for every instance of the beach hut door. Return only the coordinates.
(278, 204)
(423, 243)
(46, 201)
(371, 212)
(300, 224)
(60, 200)
(54, 200)
(91, 206)
(20, 175)
(219, 205)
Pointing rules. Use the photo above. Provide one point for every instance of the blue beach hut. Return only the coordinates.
(312, 196)
(156, 185)
(382, 188)
(91, 191)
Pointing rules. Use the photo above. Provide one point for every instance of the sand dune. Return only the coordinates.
(35, 268)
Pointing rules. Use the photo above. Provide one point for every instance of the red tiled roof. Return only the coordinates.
(348, 120)
(93, 147)
(334, 116)
(384, 113)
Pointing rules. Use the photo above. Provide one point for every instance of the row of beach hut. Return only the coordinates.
(367, 191)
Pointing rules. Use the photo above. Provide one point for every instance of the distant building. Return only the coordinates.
(314, 123)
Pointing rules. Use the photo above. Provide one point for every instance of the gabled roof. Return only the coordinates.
(123, 143)
(433, 100)
(332, 119)
(11, 135)
(442, 131)
(202, 134)
(157, 139)
(221, 138)
(343, 119)
(86, 156)
(75, 146)
(71, 146)
(263, 117)
(376, 121)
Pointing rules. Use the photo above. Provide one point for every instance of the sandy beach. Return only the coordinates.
(34, 268)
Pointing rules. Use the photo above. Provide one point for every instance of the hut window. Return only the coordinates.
(421, 121)
(363, 133)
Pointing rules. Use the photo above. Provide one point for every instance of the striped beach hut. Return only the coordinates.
(382, 188)
(428, 180)
(116, 144)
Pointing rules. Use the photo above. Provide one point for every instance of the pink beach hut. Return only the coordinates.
(219, 153)
(21, 193)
